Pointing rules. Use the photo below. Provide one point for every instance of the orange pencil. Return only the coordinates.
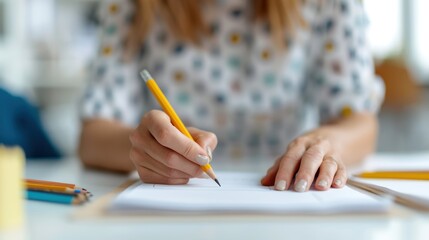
(57, 189)
(51, 183)
(406, 175)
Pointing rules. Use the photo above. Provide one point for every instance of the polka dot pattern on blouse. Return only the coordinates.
(256, 98)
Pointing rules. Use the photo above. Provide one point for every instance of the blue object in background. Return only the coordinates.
(20, 125)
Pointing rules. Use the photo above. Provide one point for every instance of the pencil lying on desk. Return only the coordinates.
(168, 109)
(405, 175)
(73, 199)
(49, 185)
(57, 189)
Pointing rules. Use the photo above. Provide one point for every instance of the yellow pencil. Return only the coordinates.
(406, 175)
(168, 109)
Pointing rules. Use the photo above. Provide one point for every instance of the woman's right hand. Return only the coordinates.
(164, 155)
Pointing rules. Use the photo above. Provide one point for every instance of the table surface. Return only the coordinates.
(54, 221)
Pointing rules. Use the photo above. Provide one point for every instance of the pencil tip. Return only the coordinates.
(217, 181)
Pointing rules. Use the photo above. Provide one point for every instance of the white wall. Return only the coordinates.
(43, 56)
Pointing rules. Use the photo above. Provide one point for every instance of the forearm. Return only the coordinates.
(354, 137)
(106, 145)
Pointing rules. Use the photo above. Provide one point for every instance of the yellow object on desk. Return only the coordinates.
(11, 188)
(404, 175)
(166, 106)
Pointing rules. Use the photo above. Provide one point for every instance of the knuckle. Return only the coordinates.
(151, 115)
(341, 165)
(322, 142)
(163, 135)
(294, 143)
(344, 172)
(135, 138)
(330, 162)
(147, 117)
(133, 155)
(314, 152)
(288, 158)
(189, 147)
(143, 173)
(304, 175)
(171, 159)
(171, 172)
(144, 118)
(317, 150)
(300, 141)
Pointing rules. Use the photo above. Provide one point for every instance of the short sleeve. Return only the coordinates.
(113, 90)
(341, 78)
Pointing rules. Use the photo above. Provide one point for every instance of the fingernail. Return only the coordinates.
(202, 160)
(203, 175)
(209, 153)
(338, 182)
(301, 186)
(323, 184)
(280, 185)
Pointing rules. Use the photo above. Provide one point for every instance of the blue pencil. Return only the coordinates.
(55, 197)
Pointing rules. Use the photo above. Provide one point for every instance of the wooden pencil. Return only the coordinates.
(56, 197)
(404, 175)
(57, 189)
(57, 184)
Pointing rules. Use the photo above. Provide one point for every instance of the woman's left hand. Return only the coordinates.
(313, 157)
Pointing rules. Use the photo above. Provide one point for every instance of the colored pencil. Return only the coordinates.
(405, 175)
(54, 184)
(56, 197)
(57, 189)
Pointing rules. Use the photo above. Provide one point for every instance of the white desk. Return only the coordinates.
(47, 221)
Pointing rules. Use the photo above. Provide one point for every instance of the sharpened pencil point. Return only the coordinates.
(217, 181)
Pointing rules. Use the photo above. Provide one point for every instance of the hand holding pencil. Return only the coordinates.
(165, 151)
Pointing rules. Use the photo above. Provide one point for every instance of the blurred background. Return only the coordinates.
(47, 45)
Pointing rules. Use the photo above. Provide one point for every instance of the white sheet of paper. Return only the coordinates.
(240, 192)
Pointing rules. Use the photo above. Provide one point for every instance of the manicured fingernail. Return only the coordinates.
(301, 186)
(280, 185)
(209, 153)
(203, 175)
(338, 182)
(323, 184)
(202, 160)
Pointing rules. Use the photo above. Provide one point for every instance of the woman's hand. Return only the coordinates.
(313, 157)
(162, 154)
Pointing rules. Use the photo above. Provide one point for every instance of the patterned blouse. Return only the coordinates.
(256, 98)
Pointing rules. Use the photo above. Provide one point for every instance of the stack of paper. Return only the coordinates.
(411, 193)
(240, 192)
(401, 191)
